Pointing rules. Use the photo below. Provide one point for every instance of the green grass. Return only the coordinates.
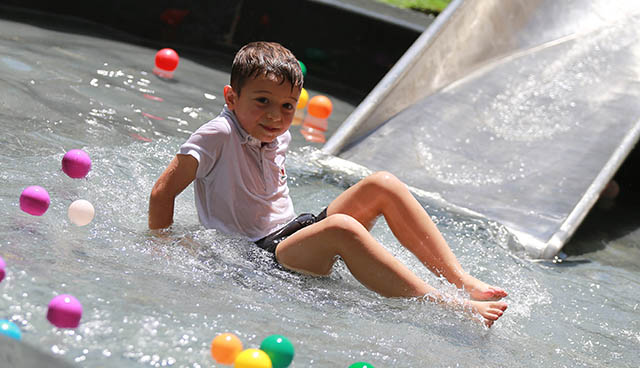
(427, 6)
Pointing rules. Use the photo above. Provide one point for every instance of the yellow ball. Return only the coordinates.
(304, 98)
(225, 348)
(252, 358)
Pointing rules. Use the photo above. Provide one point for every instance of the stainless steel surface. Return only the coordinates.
(519, 110)
(389, 14)
(465, 35)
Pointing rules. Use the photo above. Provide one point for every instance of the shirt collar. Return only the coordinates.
(246, 138)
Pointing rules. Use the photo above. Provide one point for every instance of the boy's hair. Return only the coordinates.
(265, 59)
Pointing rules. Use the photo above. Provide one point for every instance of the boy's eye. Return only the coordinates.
(262, 100)
(288, 106)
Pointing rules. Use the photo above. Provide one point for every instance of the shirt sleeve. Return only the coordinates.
(206, 145)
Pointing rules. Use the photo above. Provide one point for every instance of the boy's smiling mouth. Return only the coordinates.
(269, 129)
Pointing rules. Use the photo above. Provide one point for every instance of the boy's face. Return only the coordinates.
(265, 107)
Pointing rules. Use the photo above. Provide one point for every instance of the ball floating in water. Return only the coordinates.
(10, 329)
(225, 348)
(64, 311)
(303, 68)
(279, 349)
(361, 365)
(81, 212)
(76, 163)
(320, 107)
(2, 269)
(167, 59)
(252, 358)
(304, 98)
(34, 200)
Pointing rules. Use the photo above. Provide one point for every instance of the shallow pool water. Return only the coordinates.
(152, 302)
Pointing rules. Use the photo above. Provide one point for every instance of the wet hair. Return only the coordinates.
(257, 59)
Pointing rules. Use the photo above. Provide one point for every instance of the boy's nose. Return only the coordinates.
(273, 115)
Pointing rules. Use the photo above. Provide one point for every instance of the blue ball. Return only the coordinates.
(10, 329)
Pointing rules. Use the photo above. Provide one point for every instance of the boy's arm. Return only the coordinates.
(175, 178)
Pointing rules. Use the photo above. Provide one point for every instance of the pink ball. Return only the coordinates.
(64, 311)
(34, 200)
(76, 163)
(167, 59)
(2, 267)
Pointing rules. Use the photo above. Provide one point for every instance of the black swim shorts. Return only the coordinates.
(271, 241)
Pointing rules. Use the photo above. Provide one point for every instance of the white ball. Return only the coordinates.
(81, 212)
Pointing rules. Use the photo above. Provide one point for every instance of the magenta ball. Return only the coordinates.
(167, 59)
(76, 163)
(2, 267)
(64, 311)
(34, 200)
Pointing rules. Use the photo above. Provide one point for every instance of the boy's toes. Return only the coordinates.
(498, 292)
(489, 294)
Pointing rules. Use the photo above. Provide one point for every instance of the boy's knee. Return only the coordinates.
(348, 234)
(344, 225)
(384, 180)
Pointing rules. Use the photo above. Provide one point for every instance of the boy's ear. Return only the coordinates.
(230, 96)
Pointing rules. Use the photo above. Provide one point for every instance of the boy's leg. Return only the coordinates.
(383, 194)
(314, 249)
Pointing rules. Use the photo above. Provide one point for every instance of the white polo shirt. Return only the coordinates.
(241, 185)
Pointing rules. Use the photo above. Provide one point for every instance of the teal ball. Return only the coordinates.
(279, 349)
(361, 365)
(10, 329)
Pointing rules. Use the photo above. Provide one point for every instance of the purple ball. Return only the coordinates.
(2, 267)
(76, 163)
(34, 200)
(64, 311)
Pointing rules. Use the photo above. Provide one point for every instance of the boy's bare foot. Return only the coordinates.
(481, 291)
(489, 310)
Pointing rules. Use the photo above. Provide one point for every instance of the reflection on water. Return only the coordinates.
(152, 301)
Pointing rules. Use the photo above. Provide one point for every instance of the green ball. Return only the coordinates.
(303, 67)
(361, 365)
(279, 349)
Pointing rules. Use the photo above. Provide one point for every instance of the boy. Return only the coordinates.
(237, 162)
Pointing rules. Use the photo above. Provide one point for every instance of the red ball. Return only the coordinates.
(167, 59)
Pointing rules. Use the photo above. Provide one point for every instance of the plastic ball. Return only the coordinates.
(81, 212)
(302, 101)
(64, 311)
(167, 59)
(252, 358)
(279, 349)
(76, 163)
(2, 267)
(10, 329)
(34, 200)
(303, 68)
(225, 348)
(320, 107)
(361, 365)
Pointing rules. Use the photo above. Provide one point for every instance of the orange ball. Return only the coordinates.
(225, 348)
(320, 107)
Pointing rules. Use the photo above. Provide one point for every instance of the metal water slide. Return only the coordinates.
(519, 110)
